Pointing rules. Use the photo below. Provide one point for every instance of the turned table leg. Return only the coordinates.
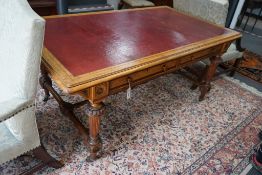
(46, 84)
(45, 79)
(210, 71)
(235, 66)
(94, 114)
(65, 107)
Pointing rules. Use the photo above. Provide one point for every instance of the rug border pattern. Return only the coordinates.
(221, 143)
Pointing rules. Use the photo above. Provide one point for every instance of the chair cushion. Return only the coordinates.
(139, 3)
(9, 108)
(11, 147)
(89, 8)
(214, 11)
(232, 53)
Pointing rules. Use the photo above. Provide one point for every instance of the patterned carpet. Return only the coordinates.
(250, 66)
(163, 129)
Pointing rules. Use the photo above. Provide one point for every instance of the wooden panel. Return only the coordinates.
(43, 7)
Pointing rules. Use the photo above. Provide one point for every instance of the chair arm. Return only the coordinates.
(13, 106)
(62, 7)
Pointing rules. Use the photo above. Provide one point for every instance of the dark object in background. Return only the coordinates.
(81, 6)
(231, 11)
(256, 159)
(259, 154)
(250, 66)
(163, 2)
(43, 7)
(251, 8)
(259, 151)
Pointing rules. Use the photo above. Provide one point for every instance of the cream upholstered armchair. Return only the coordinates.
(135, 4)
(21, 40)
(214, 11)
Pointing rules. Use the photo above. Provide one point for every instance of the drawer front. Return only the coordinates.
(149, 73)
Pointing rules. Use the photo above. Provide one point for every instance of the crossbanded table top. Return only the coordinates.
(89, 42)
(95, 46)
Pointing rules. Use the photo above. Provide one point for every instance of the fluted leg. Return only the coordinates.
(95, 113)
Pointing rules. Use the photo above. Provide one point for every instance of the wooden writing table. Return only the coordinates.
(99, 54)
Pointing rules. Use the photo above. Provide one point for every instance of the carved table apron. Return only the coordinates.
(100, 54)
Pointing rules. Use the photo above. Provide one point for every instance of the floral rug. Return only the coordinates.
(250, 66)
(162, 129)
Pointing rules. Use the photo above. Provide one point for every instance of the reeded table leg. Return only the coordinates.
(210, 71)
(94, 115)
(65, 107)
(45, 79)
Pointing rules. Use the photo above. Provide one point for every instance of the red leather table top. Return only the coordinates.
(87, 43)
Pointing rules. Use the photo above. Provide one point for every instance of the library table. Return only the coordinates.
(99, 54)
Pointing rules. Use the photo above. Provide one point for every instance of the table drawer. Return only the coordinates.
(143, 75)
(123, 81)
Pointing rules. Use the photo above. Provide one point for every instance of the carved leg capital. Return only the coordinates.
(96, 109)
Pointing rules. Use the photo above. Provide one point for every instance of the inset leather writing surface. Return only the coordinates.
(88, 43)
